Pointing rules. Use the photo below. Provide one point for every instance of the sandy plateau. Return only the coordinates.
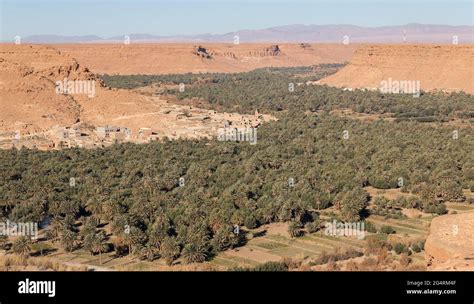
(436, 67)
(179, 58)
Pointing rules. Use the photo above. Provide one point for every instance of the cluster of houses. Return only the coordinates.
(114, 133)
(245, 121)
(81, 136)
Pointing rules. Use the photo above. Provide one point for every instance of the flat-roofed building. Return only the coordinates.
(105, 131)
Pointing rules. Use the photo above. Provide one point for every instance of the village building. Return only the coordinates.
(63, 133)
(113, 132)
(144, 132)
(46, 145)
(104, 132)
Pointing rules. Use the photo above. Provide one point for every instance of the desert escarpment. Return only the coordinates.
(437, 67)
(29, 97)
(180, 58)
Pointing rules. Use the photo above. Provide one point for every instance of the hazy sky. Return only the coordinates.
(107, 18)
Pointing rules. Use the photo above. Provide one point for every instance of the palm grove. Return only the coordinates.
(136, 191)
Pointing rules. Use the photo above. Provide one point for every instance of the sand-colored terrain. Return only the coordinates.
(28, 92)
(179, 58)
(450, 245)
(436, 67)
(27, 96)
(34, 111)
(32, 107)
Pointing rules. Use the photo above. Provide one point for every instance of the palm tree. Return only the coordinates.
(94, 206)
(134, 240)
(99, 244)
(68, 240)
(96, 243)
(268, 215)
(89, 227)
(88, 242)
(169, 250)
(193, 253)
(22, 246)
(149, 252)
(3, 241)
(108, 210)
(55, 229)
(294, 229)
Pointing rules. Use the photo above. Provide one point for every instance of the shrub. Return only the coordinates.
(374, 245)
(387, 229)
(369, 227)
(337, 256)
(400, 248)
(441, 209)
(405, 260)
(268, 267)
(312, 227)
(416, 248)
(250, 222)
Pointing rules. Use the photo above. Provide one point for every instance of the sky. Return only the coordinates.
(107, 18)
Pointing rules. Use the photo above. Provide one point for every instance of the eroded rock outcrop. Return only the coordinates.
(450, 245)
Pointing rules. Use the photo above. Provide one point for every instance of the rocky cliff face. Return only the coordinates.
(450, 245)
(436, 67)
(28, 98)
(31, 103)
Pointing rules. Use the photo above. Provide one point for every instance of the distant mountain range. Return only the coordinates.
(410, 33)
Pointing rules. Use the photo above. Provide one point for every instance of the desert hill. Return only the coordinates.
(450, 245)
(437, 67)
(28, 92)
(179, 58)
(27, 95)
(32, 107)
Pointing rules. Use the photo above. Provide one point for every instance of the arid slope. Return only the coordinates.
(437, 67)
(28, 91)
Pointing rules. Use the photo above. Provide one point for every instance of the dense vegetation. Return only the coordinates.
(295, 73)
(136, 188)
(279, 89)
(273, 94)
